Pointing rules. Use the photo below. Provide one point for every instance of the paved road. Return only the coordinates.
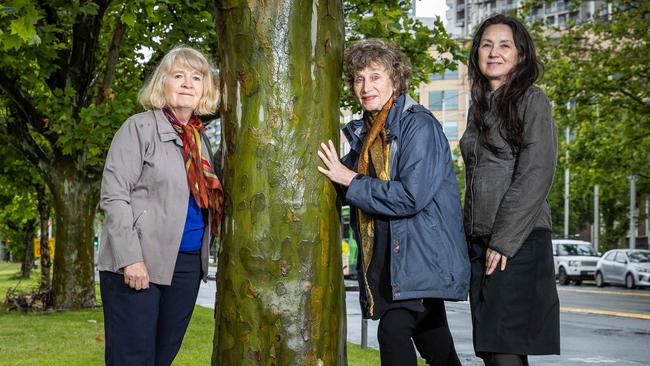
(609, 326)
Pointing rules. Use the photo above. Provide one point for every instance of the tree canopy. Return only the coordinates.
(69, 76)
(596, 74)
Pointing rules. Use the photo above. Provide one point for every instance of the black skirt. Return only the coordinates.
(516, 311)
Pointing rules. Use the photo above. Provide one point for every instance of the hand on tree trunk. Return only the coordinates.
(336, 172)
(136, 276)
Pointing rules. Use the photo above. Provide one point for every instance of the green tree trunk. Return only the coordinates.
(75, 203)
(279, 287)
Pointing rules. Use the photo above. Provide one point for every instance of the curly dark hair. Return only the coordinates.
(521, 77)
(366, 52)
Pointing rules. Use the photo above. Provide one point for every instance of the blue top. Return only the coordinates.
(194, 225)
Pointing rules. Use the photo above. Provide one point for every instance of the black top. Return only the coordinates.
(378, 275)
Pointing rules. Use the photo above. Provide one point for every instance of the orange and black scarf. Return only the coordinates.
(203, 183)
(375, 151)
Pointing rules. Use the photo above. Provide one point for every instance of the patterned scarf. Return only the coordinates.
(203, 183)
(375, 150)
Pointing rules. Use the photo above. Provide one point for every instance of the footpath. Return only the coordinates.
(458, 316)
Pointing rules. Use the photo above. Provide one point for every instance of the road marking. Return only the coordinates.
(568, 309)
(604, 292)
(597, 359)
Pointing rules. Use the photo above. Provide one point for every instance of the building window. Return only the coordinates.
(437, 97)
(451, 74)
(451, 99)
(435, 100)
(448, 75)
(451, 130)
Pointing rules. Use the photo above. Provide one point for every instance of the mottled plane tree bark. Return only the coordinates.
(279, 297)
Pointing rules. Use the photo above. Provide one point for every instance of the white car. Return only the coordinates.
(629, 267)
(575, 260)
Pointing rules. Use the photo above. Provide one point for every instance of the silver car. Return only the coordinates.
(629, 267)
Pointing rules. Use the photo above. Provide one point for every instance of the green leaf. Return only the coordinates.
(129, 19)
(24, 27)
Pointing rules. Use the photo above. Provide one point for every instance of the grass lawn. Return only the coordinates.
(77, 337)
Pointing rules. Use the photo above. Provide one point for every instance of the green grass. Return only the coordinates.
(8, 279)
(74, 338)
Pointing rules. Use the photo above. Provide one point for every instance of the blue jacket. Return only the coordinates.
(429, 253)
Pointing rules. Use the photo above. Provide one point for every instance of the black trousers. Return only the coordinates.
(399, 328)
(146, 327)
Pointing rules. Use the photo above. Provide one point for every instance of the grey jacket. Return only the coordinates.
(506, 192)
(145, 196)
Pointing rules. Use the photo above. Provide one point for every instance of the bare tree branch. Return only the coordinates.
(85, 36)
(57, 79)
(113, 55)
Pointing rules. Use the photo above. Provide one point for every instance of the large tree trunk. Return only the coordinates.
(279, 289)
(44, 219)
(75, 199)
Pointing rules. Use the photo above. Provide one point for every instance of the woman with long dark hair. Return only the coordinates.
(509, 149)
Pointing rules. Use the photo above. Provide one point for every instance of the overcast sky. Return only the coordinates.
(431, 8)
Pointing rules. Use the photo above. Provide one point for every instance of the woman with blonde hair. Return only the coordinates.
(162, 203)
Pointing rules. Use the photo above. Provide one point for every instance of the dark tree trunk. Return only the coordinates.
(44, 219)
(27, 236)
(75, 199)
(279, 289)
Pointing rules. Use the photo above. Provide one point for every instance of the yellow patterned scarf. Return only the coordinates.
(375, 150)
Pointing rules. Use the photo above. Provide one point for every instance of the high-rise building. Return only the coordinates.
(463, 16)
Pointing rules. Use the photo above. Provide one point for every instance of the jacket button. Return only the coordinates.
(396, 246)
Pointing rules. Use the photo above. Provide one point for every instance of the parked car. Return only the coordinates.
(629, 267)
(575, 260)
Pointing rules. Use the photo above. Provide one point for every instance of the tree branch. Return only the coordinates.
(16, 134)
(57, 79)
(85, 37)
(24, 108)
(113, 55)
(633, 97)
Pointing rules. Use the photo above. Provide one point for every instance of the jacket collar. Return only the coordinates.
(356, 129)
(165, 129)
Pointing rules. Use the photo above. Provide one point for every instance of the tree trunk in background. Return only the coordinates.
(279, 287)
(44, 219)
(27, 236)
(75, 202)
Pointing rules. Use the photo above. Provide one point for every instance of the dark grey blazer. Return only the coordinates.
(506, 193)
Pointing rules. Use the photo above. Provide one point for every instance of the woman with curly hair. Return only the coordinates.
(399, 180)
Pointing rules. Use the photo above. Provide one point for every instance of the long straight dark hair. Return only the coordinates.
(523, 74)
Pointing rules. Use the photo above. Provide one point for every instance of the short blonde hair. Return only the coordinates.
(152, 95)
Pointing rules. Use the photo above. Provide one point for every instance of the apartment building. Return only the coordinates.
(463, 16)
(447, 96)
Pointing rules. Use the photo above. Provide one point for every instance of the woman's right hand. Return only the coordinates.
(335, 171)
(493, 259)
(136, 276)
